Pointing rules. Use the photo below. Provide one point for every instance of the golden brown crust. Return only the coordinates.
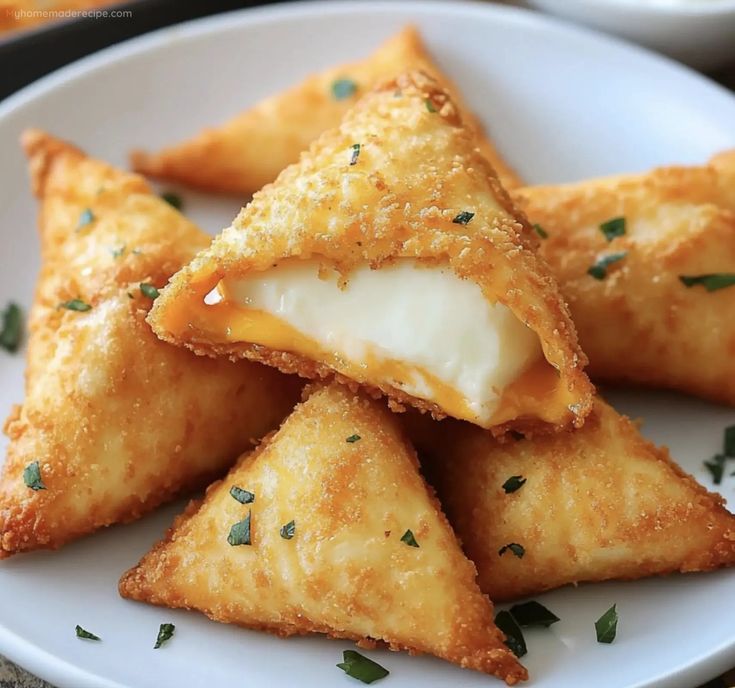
(346, 571)
(250, 150)
(118, 421)
(416, 171)
(598, 503)
(641, 325)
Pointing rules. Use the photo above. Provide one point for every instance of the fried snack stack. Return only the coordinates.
(388, 261)
(250, 150)
(647, 264)
(392, 223)
(115, 422)
(596, 504)
(329, 528)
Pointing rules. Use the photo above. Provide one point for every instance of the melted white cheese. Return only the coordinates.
(424, 317)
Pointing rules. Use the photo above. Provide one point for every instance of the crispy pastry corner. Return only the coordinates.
(340, 471)
(639, 323)
(115, 420)
(598, 503)
(250, 150)
(417, 169)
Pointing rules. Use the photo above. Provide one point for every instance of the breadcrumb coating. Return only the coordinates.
(117, 420)
(640, 324)
(248, 151)
(342, 471)
(597, 503)
(416, 171)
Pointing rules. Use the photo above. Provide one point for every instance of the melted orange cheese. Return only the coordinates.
(536, 393)
(235, 323)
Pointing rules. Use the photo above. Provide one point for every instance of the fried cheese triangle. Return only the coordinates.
(251, 149)
(115, 422)
(595, 504)
(390, 257)
(660, 312)
(329, 528)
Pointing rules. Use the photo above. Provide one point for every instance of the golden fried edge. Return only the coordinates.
(21, 527)
(657, 311)
(444, 451)
(574, 360)
(133, 583)
(181, 162)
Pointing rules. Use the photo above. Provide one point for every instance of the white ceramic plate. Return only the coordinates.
(563, 104)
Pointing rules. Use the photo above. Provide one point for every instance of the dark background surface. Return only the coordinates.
(27, 55)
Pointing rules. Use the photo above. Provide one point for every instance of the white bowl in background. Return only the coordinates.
(700, 33)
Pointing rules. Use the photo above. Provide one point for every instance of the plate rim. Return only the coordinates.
(56, 669)
(270, 13)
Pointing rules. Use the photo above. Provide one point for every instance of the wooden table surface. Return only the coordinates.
(12, 676)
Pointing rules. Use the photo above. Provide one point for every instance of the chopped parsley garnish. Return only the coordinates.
(409, 539)
(430, 105)
(360, 667)
(149, 290)
(607, 626)
(540, 230)
(242, 496)
(515, 482)
(240, 533)
(117, 251)
(730, 441)
(86, 635)
(86, 218)
(289, 530)
(514, 547)
(613, 228)
(343, 88)
(173, 199)
(12, 328)
(599, 269)
(165, 633)
(712, 282)
(76, 305)
(32, 477)
(355, 154)
(463, 218)
(353, 438)
(533, 614)
(716, 467)
(513, 634)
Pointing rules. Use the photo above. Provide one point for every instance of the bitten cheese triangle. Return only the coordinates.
(647, 264)
(329, 528)
(591, 505)
(390, 257)
(251, 149)
(115, 422)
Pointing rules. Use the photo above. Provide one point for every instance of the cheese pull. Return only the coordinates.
(397, 264)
